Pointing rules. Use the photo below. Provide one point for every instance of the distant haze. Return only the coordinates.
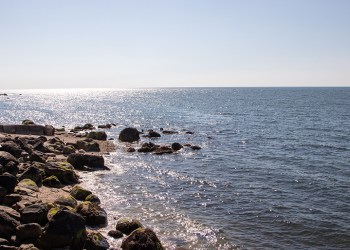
(121, 44)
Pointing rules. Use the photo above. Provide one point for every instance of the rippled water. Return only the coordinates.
(274, 171)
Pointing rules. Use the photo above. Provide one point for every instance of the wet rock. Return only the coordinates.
(126, 226)
(27, 122)
(96, 241)
(105, 126)
(80, 193)
(8, 181)
(6, 157)
(36, 213)
(64, 171)
(67, 200)
(189, 132)
(52, 181)
(97, 135)
(142, 238)
(33, 174)
(129, 135)
(147, 147)
(93, 198)
(28, 231)
(130, 150)
(7, 225)
(163, 150)
(169, 132)
(11, 199)
(66, 228)
(89, 160)
(176, 146)
(49, 130)
(12, 148)
(153, 134)
(116, 234)
(93, 214)
(88, 146)
(88, 126)
(195, 147)
(26, 184)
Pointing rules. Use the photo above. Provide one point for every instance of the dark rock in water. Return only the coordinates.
(11, 148)
(7, 225)
(28, 231)
(105, 126)
(163, 150)
(176, 146)
(116, 234)
(130, 150)
(8, 181)
(89, 146)
(195, 147)
(126, 226)
(97, 135)
(63, 171)
(96, 241)
(6, 157)
(11, 199)
(142, 238)
(189, 132)
(27, 122)
(33, 174)
(169, 132)
(88, 126)
(36, 213)
(80, 193)
(147, 147)
(80, 160)
(93, 198)
(153, 134)
(129, 135)
(93, 214)
(67, 200)
(52, 181)
(66, 228)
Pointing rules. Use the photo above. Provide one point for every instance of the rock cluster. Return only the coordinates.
(30, 164)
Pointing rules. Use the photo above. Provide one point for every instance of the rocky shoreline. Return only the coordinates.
(42, 205)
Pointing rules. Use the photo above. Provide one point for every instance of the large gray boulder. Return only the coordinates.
(129, 135)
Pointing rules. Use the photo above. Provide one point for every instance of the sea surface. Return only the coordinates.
(273, 172)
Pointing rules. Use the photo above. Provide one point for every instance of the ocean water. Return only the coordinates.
(273, 172)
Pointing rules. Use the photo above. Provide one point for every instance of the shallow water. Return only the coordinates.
(273, 172)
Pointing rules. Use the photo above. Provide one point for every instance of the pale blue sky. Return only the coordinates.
(66, 43)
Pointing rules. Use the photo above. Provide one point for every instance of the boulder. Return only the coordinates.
(7, 225)
(68, 150)
(28, 231)
(33, 174)
(176, 146)
(169, 132)
(97, 135)
(37, 156)
(129, 135)
(142, 238)
(11, 168)
(130, 150)
(93, 198)
(6, 157)
(66, 228)
(11, 212)
(153, 134)
(105, 126)
(116, 234)
(147, 147)
(96, 241)
(49, 130)
(126, 226)
(8, 181)
(67, 200)
(195, 147)
(26, 184)
(79, 160)
(11, 199)
(93, 214)
(36, 213)
(3, 192)
(88, 126)
(11, 148)
(52, 181)
(88, 146)
(80, 193)
(64, 171)
(163, 150)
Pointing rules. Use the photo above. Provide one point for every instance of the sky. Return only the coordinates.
(174, 43)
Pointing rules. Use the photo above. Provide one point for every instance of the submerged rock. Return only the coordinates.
(142, 238)
(129, 135)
